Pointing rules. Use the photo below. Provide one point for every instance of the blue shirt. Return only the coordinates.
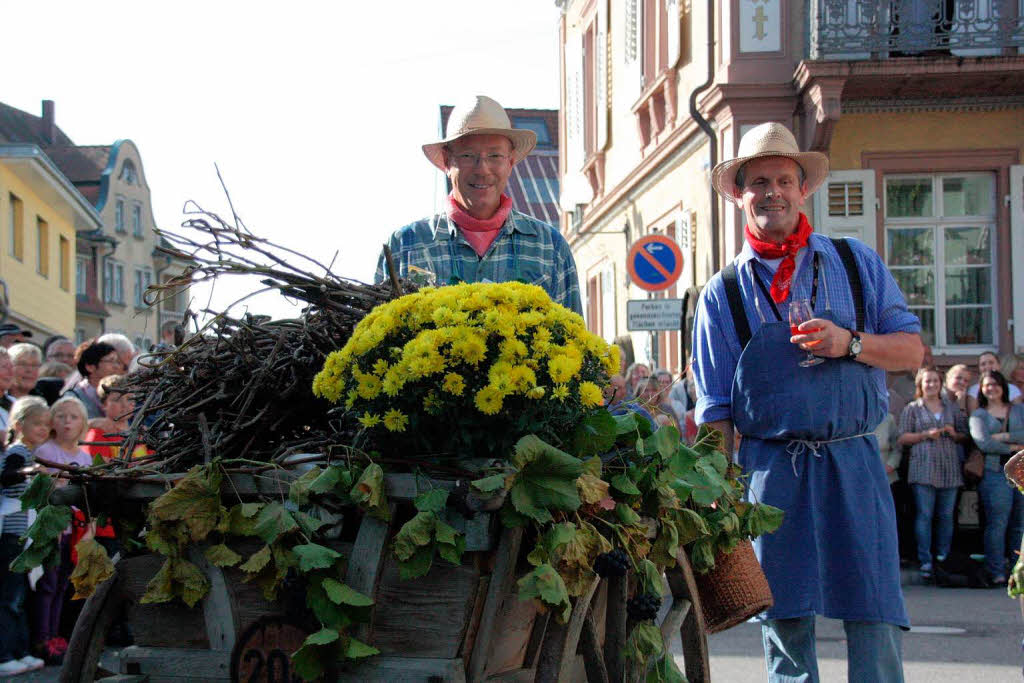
(526, 249)
(716, 346)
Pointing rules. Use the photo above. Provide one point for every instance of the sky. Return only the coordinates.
(314, 111)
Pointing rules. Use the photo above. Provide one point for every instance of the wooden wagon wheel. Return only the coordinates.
(82, 659)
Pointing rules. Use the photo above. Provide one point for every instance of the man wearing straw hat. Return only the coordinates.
(480, 237)
(807, 420)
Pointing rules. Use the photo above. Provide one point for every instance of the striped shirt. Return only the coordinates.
(16, 522)
(935, 462)
(716, 346)
(526, 250)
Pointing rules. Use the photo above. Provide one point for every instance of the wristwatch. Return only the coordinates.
(856, 346)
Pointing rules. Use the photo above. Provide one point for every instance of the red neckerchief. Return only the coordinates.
(786, 251)
(480, 233)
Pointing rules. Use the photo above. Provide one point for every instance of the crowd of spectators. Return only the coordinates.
(60, 404)
(947, 433)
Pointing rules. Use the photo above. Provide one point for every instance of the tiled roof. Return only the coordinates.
(81, 164)
(19, 126)
(533, 185)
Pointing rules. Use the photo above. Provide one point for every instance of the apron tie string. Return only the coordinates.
(798, 447)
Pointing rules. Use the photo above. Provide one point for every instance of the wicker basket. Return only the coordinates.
(735, 590)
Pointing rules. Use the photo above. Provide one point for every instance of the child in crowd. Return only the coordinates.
(70, 422)
(30, 424)
(118, 407)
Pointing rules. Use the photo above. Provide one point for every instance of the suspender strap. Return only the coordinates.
(853, 275)
(735, 299)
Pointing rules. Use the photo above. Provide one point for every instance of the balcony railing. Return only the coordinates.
(877, 29)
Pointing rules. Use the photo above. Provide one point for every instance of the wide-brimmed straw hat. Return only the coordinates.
(480, 115)
(769, 140)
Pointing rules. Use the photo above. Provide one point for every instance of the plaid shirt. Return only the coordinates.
(935, 462)
(526, 249)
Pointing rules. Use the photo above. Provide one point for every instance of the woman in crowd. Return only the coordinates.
(997, 427)
(6, 400)
(988, 361)
(30, 428)
(27, 359)
(634, 374)
(96, 361)
(70, 423)
(933, 427)
(958, 379)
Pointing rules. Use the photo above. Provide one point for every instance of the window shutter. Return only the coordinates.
(601, 74)
(844, 206)
(672, 17)
(574, 104)
(1017, 252)
(634, 51)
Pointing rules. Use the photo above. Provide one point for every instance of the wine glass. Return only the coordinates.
(800, 311)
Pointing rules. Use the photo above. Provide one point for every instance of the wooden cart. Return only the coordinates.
(454, 624)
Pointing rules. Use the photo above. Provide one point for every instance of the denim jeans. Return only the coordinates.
(13, 586)
(873, 651)
(934, 507)
(1004, 510)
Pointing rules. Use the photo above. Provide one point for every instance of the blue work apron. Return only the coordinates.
(808, 449)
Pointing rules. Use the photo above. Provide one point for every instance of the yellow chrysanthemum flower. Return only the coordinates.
(350, 399)
(590, 395)
(536, 392)
(560, 392)
(561, 368)
(454, 384)
(369, 420)
(369, 387)
(395, 420)
(380, 367)
(488, 400)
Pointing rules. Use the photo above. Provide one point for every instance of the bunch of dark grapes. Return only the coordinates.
(643, 607)
(615, 563)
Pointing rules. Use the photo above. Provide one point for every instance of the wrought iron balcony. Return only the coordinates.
(878, 29)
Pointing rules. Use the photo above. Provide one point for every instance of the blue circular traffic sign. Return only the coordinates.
(654, 263)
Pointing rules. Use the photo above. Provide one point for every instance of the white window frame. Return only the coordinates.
(142, 279)
(936, 223)
(119, 215)
(81, 276)
(137, 219)
(113, 282)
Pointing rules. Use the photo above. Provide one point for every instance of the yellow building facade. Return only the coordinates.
(40, 213)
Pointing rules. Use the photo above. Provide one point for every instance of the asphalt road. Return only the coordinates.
(960, 635)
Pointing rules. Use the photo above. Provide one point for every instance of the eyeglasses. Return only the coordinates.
(468, 160)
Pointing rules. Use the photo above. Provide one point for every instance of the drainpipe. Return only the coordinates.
(709, 131)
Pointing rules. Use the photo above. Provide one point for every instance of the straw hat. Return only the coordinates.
(769, 140)
(480, 115)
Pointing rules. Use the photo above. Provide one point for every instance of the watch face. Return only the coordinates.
(855, 346)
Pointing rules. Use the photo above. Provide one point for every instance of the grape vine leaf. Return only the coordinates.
(333, 476)
(324, 636)
(595, 433)
(626, 514)
(45, 533)
(544, 585)
(298, 491)
(93, 568)
(577, 558)
(623, 484)
(546, 479)
(176, 578)
(368, 492)
(355, 649)
(257, 561)
(343, 594)
(550, 543)
(418, 564)
(665, 442)
(273, 521)
(591, 488)
(649, 577)
(414, 534)
(310, 660)
(37, 494)
(763, 519)
(194, 501)
(644, 642)
(222, 556)
(433, 500)
(314, 556)
(491, 484)
(664, 670)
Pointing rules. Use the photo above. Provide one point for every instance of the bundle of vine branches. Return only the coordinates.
(240, 388)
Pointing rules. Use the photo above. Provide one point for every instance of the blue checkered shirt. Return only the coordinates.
(526, 249)
(716, 346)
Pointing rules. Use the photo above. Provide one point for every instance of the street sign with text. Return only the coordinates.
(653, 314)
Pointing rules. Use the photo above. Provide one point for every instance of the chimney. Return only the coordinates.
(48, 123)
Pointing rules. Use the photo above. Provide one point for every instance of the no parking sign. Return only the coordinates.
(654, 263)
